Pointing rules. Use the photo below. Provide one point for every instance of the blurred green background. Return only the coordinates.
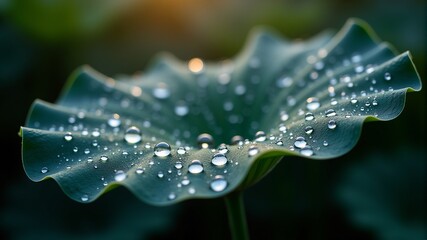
(377, 191)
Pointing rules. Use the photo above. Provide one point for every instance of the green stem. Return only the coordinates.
(236, 216)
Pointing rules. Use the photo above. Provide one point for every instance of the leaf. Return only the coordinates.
(308, 99)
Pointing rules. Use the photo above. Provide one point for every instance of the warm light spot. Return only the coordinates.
(136, 91)
(195, 65)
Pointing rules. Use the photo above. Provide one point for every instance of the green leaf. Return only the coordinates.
(310, 99)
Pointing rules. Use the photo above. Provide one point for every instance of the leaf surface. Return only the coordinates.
(282, 97)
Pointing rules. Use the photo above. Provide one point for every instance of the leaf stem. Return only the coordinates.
(236, 216)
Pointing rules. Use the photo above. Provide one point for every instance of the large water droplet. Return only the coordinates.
(162, 149)
(120, 176)
(260, 136)
(330, 113)
(307, 151)
(312, 103)
(133, 135)
(218, 184)
(332, 124)
(161, 91)
(219, 160)
(223, 148)
(68, 136)
(44, 170)
(300, 142)
(115, 120)
(309, 130)
(181, 109)
(253, 150)
(205, 140)
(195, 167)
(309, 116)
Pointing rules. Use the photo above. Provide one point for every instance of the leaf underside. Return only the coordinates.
(309, 98)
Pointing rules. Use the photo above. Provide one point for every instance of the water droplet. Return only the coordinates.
(171, 196)
(191, 190)
(387, 76)
(353, 100)
(374, 103)
(133, 135)
(309, 116)
(309, 130)
(68, 136)
(104, 158)
(330, 113)
(236, 140)
(162, 149)
(120, 176)
(181, 151)
(139, 171)
(96, 133)
(84, 198)
(253, 150)
(300, 142)
(279, 143)
(161, 91)
(307, 151)
(181, 109)
(218, 184)
(284, 116)
(115, 120)
(325, 143)
(223, 148)
(332, 124)
(219, 160)
(178, 165)
(205, 140)
(195, 167)
(185, 181)
(160, 174)
(283, 82)
(260, 136)
(44, 170)
(282, 128)
(75, 149)
(312, 103)
(87, 151)
(334, 102)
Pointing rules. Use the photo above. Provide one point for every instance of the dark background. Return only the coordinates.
(42, 42)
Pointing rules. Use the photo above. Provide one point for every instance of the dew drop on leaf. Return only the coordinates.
(309, 130)
(139, 171)
(133, 135)
(307, 151)
(260, 136)
(104, 158)
(205, 140)
(162, 149)
(84, 198)
(223, 148)
(332, 124)
(219, 160)
(68, 136)
(185, 181)
(44, 170)
(191, 190)
(309, 116)
(325, 143)
(181, 151)
(312, 103)
(160, 174)
(330, 113)
(171, 196)
(235, 140)
(218, 184)
(178, 165)
(387, 76)
(120, 176)
(300, 142)
(114, 121)
(195, 167)
(253, 150)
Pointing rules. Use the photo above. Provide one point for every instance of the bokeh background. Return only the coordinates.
(377, 191)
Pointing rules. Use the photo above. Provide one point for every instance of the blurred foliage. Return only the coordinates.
(36, 65)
